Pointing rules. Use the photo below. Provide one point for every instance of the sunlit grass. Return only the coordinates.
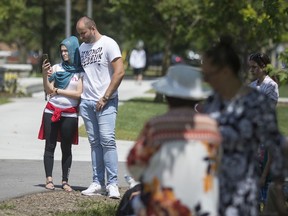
(90, 208)
(282, 115)
(6, 206)
(283, 91)
(4, 100)
(132, 115)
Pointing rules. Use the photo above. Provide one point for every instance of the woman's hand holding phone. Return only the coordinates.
(46, 66)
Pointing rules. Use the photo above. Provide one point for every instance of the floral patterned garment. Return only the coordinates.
(176, 159)
(245, 122)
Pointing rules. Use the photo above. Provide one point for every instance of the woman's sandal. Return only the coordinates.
(66, 187)
(50, 185)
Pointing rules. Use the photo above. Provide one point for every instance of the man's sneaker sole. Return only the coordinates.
(114, 197)
(93, 194)
(100, 193)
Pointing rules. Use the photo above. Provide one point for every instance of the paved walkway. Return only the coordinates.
(21, 153)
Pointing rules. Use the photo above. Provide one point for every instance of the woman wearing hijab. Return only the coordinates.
(63, 83)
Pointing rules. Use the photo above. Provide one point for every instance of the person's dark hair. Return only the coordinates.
(260, 58)
(223, 54)
(175, 102)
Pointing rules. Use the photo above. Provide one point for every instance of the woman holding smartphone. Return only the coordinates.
(63, 84)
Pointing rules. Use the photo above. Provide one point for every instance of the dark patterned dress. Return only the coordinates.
(270, 88)
(245, 122)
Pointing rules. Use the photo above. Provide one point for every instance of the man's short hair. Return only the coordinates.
(88, 22)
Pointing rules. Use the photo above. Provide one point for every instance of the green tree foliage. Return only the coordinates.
(161, 24)
(253, 24)
(279, 74)
(10, 8)
(17, 24)
(164, 25)
(156, 20)
(173, 25)
(40, 25)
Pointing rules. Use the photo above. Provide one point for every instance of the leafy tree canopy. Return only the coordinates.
(164, 25)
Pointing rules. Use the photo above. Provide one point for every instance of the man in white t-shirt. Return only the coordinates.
(104, 71)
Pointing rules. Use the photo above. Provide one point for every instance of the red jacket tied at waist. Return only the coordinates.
(56, 117)
(57, 111)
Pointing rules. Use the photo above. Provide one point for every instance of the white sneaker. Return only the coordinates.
(94, 189)
(113, 191)
(130, 181)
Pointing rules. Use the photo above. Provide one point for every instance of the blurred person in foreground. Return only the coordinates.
(258, 63)
(277, 199)
(176, 155)
(277, 195)
(246, 119)
(101, 59)
(63, 83)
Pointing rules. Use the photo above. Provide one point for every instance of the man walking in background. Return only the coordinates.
(137, 61)
(104, 71)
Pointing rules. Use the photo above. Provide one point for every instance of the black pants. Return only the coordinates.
(67, 126)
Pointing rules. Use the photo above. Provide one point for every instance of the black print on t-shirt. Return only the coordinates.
(91, 56)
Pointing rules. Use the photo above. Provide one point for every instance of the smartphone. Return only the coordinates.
(45, 57)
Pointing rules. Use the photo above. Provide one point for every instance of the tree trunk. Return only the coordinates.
(167, 55)
(245, 74)
(45, 33)
(22, 52)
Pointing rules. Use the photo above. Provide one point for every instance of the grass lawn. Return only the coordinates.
(282, 111)
(283, 91)
(131, 117)
(59, 203)
(89, 208)
(282, 115)
(5, 97)
(150, 72)
(4, 100)
(134, 113)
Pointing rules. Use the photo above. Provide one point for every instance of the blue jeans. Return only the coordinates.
(100, 127)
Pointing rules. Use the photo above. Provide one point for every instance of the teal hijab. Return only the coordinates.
(62, 78)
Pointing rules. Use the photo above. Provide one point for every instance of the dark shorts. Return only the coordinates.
(138, 71)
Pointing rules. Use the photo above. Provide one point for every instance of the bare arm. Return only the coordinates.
(117, 77)
(75, 94)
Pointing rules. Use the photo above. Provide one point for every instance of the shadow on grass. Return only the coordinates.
(58, 186)
(142, 100)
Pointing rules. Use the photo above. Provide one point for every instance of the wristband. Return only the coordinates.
(56, 91)
(106, 98)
